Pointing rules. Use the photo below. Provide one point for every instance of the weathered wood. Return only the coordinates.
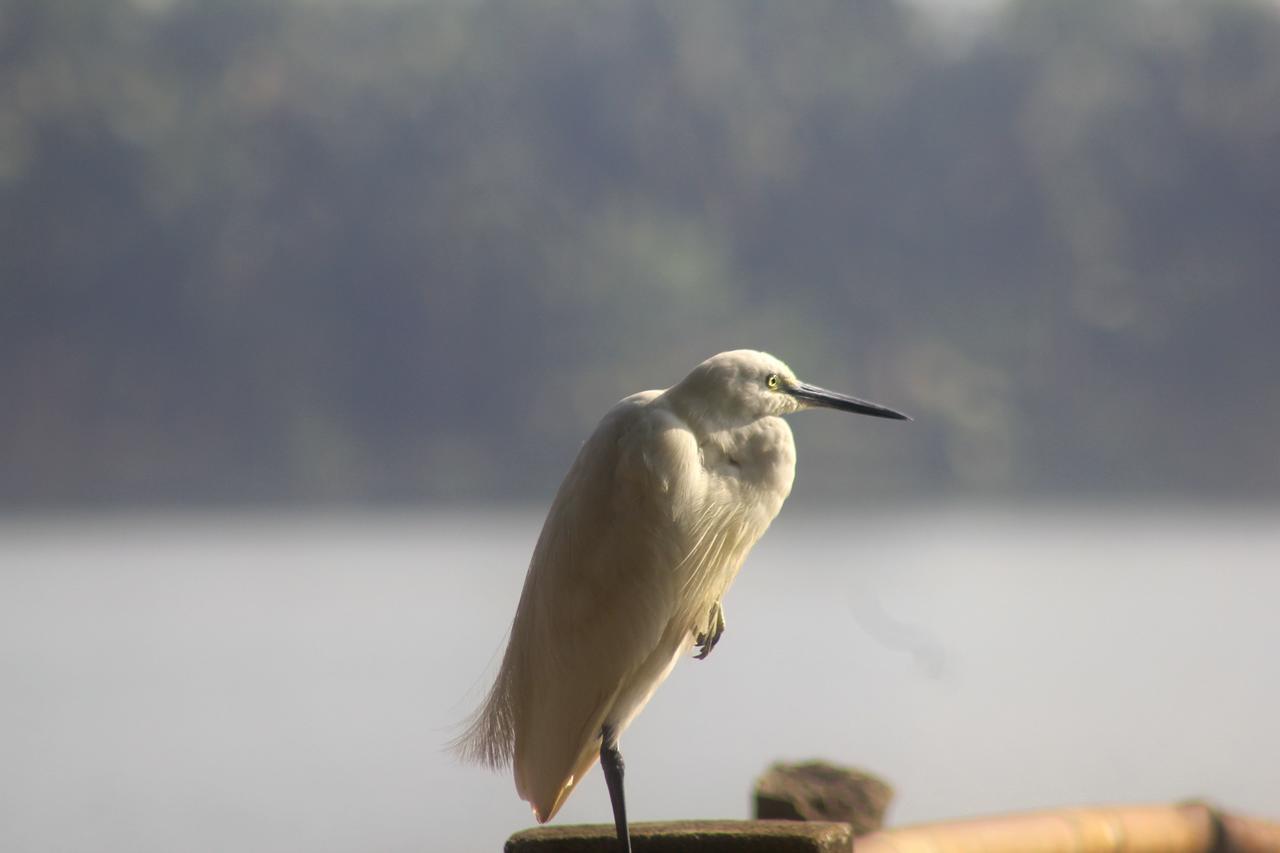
(691, 836)
(816, 790)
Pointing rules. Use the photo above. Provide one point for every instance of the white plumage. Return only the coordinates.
(645, 535)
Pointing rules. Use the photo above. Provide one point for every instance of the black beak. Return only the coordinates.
(831, 400)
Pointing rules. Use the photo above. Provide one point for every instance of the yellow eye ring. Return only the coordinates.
(772, 381)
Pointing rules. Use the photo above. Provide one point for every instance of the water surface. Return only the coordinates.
(287, 682)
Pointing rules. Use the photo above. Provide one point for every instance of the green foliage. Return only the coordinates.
(305, 249)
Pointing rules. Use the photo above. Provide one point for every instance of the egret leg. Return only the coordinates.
(611, 764)
(715, 628)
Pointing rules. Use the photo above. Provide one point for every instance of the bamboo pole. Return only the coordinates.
(1247, 834)
(1132, 829)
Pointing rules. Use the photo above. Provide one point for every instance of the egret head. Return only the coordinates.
(741, 386)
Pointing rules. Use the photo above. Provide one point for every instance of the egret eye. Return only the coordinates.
(772, 381)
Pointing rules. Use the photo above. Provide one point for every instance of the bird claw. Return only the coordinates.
(706, 641)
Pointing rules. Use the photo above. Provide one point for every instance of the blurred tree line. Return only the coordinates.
(261, 250)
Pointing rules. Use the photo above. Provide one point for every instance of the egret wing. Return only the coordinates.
(595, 619)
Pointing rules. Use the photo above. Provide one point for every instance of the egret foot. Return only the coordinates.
(715, 628)
(611, 764)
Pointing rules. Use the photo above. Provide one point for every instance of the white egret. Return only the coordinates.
(647, 531)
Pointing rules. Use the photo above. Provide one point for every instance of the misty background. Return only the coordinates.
(307, 251)
(306, 305)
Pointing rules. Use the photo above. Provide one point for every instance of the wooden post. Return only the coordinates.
(690, 836)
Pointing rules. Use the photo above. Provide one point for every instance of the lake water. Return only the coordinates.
(283, 683)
